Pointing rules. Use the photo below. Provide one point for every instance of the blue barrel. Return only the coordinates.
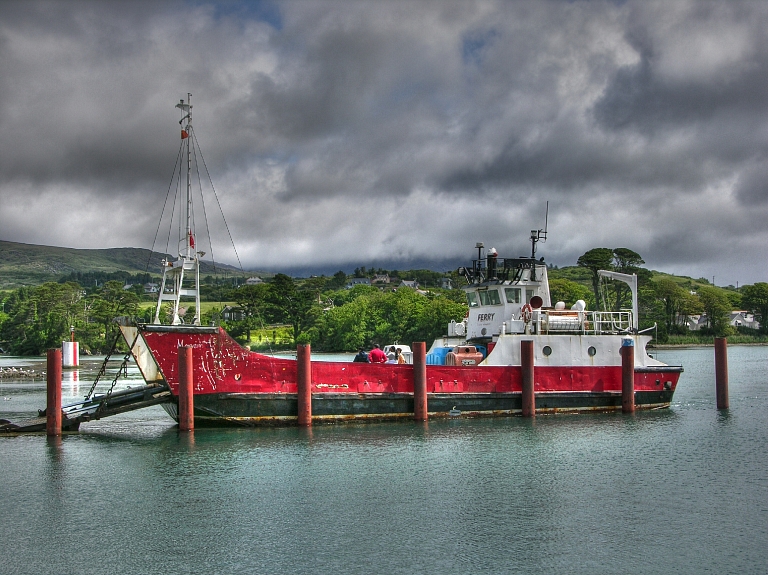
(437, 356)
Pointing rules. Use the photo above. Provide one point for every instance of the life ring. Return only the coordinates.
(526, 312)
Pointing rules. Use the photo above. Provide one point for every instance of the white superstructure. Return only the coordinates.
(509, 300)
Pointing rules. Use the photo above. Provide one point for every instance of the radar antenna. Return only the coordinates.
(539, 235)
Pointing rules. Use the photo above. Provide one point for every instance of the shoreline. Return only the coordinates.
(692, 345)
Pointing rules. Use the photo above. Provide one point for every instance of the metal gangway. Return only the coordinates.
(98, 405)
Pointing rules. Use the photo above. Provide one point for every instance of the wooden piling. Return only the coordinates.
(420, 412)
(186, 390)
(627, 376)
(304, 383)
(53, 393)
(721, 372)
(526, 366)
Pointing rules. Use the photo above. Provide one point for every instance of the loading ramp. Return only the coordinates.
(96, 407)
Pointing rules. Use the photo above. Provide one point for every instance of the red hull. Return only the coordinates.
(221, 366)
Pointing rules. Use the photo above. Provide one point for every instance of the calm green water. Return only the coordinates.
(683, 490)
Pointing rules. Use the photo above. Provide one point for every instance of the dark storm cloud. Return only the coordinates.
(344, 133)
(86, 106)
(752, 188)
(646, 98)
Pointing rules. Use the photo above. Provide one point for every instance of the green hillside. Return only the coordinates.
(582, 276)
(27, 264)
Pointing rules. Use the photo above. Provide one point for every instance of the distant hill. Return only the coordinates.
(27, 264)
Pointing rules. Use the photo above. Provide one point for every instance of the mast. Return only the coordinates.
(536, 237)
(173, 287)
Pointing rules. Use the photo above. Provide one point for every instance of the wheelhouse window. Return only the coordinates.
(513, 295)
(489, 297)
(472, 299)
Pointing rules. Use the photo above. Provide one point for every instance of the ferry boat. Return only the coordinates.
(473, 370)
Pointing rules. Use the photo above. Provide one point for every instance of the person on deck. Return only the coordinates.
(399, 356)
(376, 355)
(361, 357)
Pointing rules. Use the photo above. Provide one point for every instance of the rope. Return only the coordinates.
(215, 195)
(162, 212)
(202, 201)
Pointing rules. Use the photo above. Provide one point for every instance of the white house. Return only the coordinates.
(736, 319)
(358, 282)
(744, 319)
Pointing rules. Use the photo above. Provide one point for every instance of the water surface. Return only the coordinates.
(681, 490)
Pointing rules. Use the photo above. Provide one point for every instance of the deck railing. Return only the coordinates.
(593, 322)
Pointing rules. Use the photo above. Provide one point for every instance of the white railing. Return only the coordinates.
(595, 322)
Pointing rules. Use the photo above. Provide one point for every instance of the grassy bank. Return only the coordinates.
(738, 339)
(271, 338)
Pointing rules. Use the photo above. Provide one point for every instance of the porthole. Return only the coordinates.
(547, 351)
(592, 351)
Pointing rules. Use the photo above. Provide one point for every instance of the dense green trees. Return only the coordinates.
(717, 306)
(622, 260)
(626, 261)
(338, 281)
(569, 292)
(755, 299)
(39, 318)
(594, 260)
(319, 310)
(347, 319)
(401, 316)
(111, 302)
(297, 307)
(677, 303)
(252, 299)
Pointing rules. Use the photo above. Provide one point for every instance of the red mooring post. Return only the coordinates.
(420, 381)
(186, 390)
(526, 366)
(53, 393)
(721, 372)
(304, 383)
(627, 376)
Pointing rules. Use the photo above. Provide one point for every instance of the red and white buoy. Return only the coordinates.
(70, 351)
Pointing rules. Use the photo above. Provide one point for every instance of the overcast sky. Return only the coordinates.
(340, 134)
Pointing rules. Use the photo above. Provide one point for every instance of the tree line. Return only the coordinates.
(662, 300)
(345, 319)
(321, 310)
(38, 318)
